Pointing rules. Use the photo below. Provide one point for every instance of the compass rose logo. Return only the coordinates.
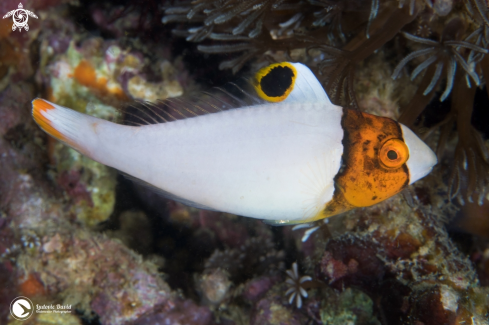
(20, 17)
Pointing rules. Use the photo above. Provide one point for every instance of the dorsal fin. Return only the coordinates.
(230, 96)
(283, 82)
(289, 83)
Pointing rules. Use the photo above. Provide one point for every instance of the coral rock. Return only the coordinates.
(214, 286)
(180, 312)
(408, 266)
(273, 310)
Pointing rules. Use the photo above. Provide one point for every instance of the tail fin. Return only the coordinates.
(98, 139)
(62, 123)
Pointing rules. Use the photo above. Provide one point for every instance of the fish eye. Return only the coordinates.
(275, 82)
(394, 153)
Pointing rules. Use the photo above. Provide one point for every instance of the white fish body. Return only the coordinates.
(274, 161)
(251, 161)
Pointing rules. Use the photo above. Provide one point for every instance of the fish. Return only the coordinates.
(276, 149)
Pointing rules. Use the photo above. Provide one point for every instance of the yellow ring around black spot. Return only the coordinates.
(275, 82)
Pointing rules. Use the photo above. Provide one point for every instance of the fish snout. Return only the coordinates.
(421, 157)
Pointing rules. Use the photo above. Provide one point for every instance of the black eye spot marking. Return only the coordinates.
(276, 82)
(392, 155)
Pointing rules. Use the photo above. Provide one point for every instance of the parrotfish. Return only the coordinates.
(283, 153)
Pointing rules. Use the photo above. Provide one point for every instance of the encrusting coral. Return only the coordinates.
(74, 232)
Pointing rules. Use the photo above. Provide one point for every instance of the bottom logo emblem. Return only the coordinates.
(21, 308)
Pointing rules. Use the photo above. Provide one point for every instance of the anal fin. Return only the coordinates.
(165, 194)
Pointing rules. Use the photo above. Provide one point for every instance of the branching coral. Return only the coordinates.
(249, 49)
(440, 53)
(445, 55)
(333, 12)
(337, 69)
(441, 7)
(480, 13)
(239, 25)
(232, 17)
(330, 15)
(479, 9)
(315, 25)
(471, 165)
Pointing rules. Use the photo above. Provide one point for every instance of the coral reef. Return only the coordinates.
(342, 313)
(399, 254)
(272, 310)
(75, 232)
(480, 256)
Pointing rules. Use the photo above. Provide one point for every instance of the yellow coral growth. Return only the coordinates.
(86, 75)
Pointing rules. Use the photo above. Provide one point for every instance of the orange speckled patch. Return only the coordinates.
(86, 75)
(38, 106)
(363, 180)
(32, 287)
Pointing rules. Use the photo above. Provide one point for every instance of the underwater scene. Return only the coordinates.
(235, 162)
